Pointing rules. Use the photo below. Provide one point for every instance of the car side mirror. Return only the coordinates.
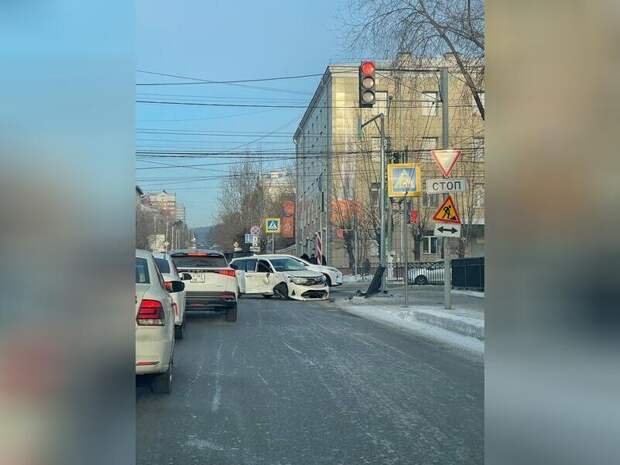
(175, 286)
(186, 276)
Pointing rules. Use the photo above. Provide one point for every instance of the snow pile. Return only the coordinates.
(459, 328)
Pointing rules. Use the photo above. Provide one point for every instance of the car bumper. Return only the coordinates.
(299, 292)
(153, 352)
(208, 300)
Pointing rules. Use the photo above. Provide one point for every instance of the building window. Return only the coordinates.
(428, 144)
(478, 148)
(429, 103)
(429, 245)
(475, 105)
(478, 195)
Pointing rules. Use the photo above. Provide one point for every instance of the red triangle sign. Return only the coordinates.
(446, 159)
(447, 212)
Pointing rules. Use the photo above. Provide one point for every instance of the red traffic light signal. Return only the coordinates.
(367, 95)
(367, 67)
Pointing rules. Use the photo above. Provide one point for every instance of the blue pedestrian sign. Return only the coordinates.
(404, 180)
(272, 225)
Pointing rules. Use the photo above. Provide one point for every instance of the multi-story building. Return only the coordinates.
(278, 183)
(337, 166)
(163, 201)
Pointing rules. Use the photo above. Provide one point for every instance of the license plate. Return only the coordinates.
(198, 279)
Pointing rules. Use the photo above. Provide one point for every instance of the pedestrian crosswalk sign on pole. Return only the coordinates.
(272, 225)
(404, 180)
(447, 212)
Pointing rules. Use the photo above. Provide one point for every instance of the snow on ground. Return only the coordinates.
(469, 293)
(425, 321)
(356, 278)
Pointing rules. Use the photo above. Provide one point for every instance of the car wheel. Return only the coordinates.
(178, 331)
(282, 290)
(328, 280)
(231, 313)
(421, 280)
(267, 296)
(162, 383)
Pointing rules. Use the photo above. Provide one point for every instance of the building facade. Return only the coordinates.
(338, 166)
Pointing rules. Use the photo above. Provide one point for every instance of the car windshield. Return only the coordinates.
(287, 264)
(200, 261)
(163, 265)
(142, 271)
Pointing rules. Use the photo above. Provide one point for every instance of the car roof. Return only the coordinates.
(140, 253)
(191, 251)
(276, 255)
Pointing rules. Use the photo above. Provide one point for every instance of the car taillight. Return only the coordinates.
(228, 272)
(151, 313)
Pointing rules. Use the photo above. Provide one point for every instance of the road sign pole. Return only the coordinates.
(383, 195)
(445, 142)
(403, 241)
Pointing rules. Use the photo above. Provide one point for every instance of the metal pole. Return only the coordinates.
(406, 254)
(445, 142)
(382, 205)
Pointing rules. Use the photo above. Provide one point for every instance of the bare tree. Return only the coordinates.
(428, 29)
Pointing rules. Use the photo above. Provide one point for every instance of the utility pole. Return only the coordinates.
(382, 195)
(382, 192)
(445, 142)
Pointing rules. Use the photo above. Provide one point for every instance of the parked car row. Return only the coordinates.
(170, 285)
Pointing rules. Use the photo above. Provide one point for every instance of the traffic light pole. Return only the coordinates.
(382, 193)
(445, 142)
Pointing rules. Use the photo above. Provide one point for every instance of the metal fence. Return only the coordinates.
(468, 273)
(421, 272)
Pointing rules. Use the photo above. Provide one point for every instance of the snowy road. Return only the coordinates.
(303, 383)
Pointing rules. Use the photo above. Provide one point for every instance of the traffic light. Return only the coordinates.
(367, 84)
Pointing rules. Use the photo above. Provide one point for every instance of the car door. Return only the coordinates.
(261, 277)
(253, 281)
(239, 267)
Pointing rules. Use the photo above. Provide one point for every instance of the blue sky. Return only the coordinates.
(225, 40)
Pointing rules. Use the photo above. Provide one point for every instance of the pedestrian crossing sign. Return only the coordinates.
(404, 180)
(447, 212)
(272, 225)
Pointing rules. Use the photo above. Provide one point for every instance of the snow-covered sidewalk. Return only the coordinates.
(462, 328)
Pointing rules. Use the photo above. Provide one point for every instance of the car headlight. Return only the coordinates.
(298, 280)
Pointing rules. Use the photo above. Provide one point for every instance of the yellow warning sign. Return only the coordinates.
(447, 212)
(404, 180)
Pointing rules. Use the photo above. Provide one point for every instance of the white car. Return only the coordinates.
(280, 275)
(333, 275)
(210, 284)
(423, 273)
(169, 271)
(154, 323)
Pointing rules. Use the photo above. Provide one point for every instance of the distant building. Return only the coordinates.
(180, 212)
(278, 183)
(163, 201)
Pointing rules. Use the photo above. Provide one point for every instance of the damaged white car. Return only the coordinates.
(270, 275)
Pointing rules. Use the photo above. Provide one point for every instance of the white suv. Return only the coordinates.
(280, 275)
(210, 283)
(154, 323)
(170, 273)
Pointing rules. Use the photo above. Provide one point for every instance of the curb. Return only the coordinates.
(456, 325)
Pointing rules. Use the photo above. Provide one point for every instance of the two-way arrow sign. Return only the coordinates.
(445, 230)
